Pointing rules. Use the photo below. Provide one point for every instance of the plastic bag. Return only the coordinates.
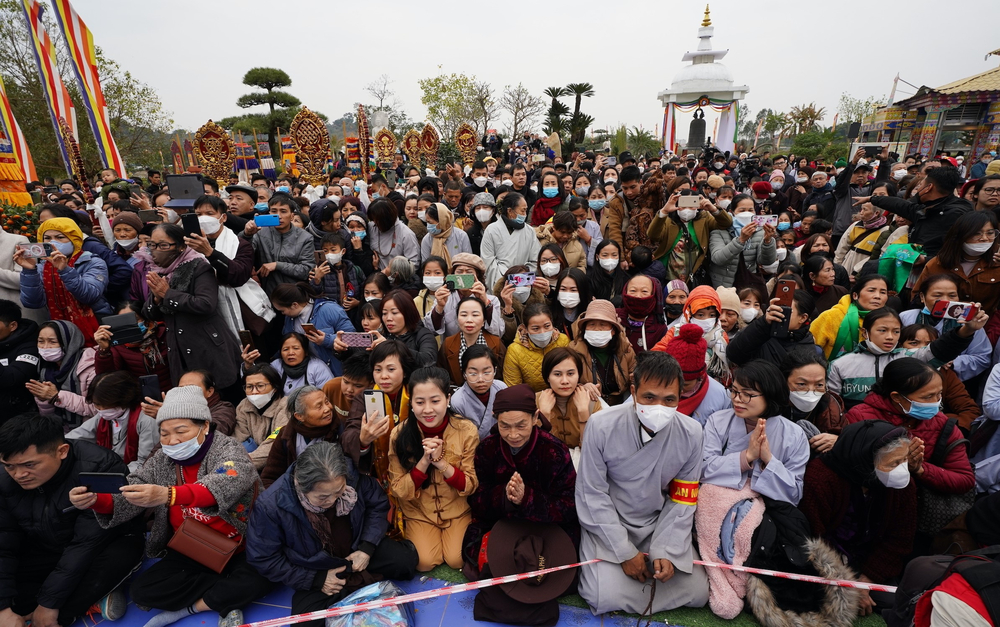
(391, 616)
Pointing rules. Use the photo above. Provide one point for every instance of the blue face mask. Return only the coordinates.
(260, 207)
(923, 411)
(376, 195)
(520, 219)
(432, 229)
(783, 226)
(360, 234)
(66, 248)
(550, 192)
(357, 188)
(598, 204)
(281, 188)
(142, 327)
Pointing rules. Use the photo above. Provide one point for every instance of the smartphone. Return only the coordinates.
(124, 328)
(374, 403)
(521, 279)
(102, 482)
(309, 328)
(267, 219)
(953, 310)
(768, 219)
(135, 189)
(612, 161)
(319, 257)
(357, 340)
(246, 339)
(150, 384)
(689, 202)
(150, 215)
(36, 251)
(784, 291)
(190, 223)
(459, 281)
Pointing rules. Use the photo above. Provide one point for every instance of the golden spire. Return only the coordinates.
(708, 20)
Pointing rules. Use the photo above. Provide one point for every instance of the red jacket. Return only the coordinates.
(122, 357)
(955, 476)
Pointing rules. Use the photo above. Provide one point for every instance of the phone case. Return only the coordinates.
(267, 220)
(357, 340)
(374, 402)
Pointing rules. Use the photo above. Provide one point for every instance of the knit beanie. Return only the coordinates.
(761, 189)
(840, 163)
(777, 174)
(993, 167)
(689, 348)
(728, 298)
(129, 218)
(676, 284)
(517, 398)
(184, 402)
(715, 181)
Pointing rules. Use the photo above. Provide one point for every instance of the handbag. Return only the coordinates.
(201, 543)
(934, 509)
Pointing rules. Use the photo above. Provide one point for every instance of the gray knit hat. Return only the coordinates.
(184, 402)
(484, 198)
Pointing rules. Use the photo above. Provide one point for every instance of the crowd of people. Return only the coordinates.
(751, 359)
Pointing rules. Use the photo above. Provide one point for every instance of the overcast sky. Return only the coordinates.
(194, 53)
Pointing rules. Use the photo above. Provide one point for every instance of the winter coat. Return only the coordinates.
(955, 476)
(227, 473)
(284, 451)
(854, 256)
(844, 194)
(665, 231)
(119, 270)
(957, 402)
(129, 358)
(623, 358)
(401, 242)
(39, 519)
(826, 326)
(263, 426)
(576, 254)
(448, 355)
(503, 248)
(511, 322)
(931, 220)
(281, 542)
(328, 317)
(233, 272)
(317, 374)
(725, 247)
(87, 282)
(149, 437)
(197, 335)
(422, 344)
(981, 285)
(756, 342)
(523, 363)
(293, 251)
(73, 406)
(458, 242)
(614, 220)
(827, 415)
(19, 363)
(830, 297)
(329, 285)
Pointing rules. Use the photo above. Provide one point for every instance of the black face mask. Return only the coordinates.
(673, 310)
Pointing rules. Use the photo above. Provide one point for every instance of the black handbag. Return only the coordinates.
(935, 509)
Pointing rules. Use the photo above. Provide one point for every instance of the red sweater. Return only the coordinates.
(955, 475)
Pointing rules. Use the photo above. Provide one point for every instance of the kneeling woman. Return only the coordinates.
(432, 471)
(318, 518)
(198, 478)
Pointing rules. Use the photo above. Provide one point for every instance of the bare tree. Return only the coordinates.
(522, 107)
(380, 90)
(486, 106)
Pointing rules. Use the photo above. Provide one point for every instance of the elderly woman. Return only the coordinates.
(310, 419)
(316, 520)
(199, 479)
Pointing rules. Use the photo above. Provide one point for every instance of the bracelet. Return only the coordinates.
(434, 461)
(173, 497)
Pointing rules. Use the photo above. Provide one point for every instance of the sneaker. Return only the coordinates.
(114, 605)
(232, 619)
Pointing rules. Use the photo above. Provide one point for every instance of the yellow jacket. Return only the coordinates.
(523, 363)
(827, 325)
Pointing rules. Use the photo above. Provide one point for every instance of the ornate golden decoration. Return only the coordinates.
(214, 150)
(365, 144)
(465, 139)
(385, 145)
(708, 19)
(411, 146)
(311, 141)
(429, 144)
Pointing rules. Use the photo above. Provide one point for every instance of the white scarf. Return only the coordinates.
(251, 293)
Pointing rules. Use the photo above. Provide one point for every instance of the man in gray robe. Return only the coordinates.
(636, 492)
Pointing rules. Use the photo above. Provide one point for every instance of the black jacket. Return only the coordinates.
(18, 364)
(756, 342)
(32, 522)
(931, 220)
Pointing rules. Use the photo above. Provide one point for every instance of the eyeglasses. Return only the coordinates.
(741, 396)
(161, 246)
(485, 375)
(992, 191)
(256, 387)
(987, 235)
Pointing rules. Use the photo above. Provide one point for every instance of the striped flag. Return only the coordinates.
(9, 125)
(60, 105)
(80, 42)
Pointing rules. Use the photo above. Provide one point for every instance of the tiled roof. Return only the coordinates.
(985, 81)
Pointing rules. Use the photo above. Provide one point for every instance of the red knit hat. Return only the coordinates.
(689, 348)
(761, 189)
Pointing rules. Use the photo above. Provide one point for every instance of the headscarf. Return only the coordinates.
(853, 455)
(71, 341)
(702, 297)
(67, 227)
(62, 304)
(439, 245)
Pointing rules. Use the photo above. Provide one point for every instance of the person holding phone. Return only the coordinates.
(746, 239)
(507, 242)
(683, 235)
(295, 364)
(148, 356)
(758, 341)
(120, 424)
(442, 318)
(318, 319)
(283, 253)
(321, 530)
(471, 319)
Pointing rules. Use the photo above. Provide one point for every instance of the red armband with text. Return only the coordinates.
(684, 492)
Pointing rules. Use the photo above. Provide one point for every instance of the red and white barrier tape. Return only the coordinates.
(495, 581)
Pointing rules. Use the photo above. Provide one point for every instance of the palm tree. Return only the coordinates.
(580, 91)
(642, 142)
(555, 93)
(578, 125)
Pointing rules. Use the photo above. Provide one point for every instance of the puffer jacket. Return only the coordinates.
(523, 363)
(263, 426)
(19, 363)
(293, 251)
(512, 322)
(955, 476)
(756, 342)
(725, 247)
(328, 317)
(86, 281)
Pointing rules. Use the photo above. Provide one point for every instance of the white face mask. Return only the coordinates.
(723, 203)
(51, 354)
(422, 215)
(480, 181)
(521, 293)
(609, 264)
(801, 179)
(805, 401)
(771, 268)
(115, 413)
(369, 299)
(899, 174)
(541, 340)
(209, 224)
(706, 324)
(974, 250)
(433, 283)
(550, 269)
(748, 315)
(743, 218)
(182, 451)
(874, 349)
(781, 253)
(259, 400)
(569, 300)
(127, 244)
(686, 215)
(608, 181)
(655, 417)
(334, 258)
(598, 339)
(172, 216)
(484, 215)
(897, 478)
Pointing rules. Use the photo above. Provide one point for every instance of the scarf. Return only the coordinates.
(149, 347)
(543, 209)
(250, 293)
(512, 225)
(342, 506)
(105, 435)
(65, 306)
(688, 405)
(65, 376)
(439, 244)
(680, 259)
(188, 254)
(481, 340)
(294, 372)
(606, 285)
(877, 222)
(847, 334)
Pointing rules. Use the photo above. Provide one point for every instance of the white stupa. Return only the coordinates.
(704, 83)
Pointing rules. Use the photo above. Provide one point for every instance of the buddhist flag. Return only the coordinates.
(60, 104)
(9, 125)
(80, 42)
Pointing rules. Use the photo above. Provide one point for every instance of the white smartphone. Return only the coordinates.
(374, 404)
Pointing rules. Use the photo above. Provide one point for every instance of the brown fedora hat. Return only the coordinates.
(517, 546)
